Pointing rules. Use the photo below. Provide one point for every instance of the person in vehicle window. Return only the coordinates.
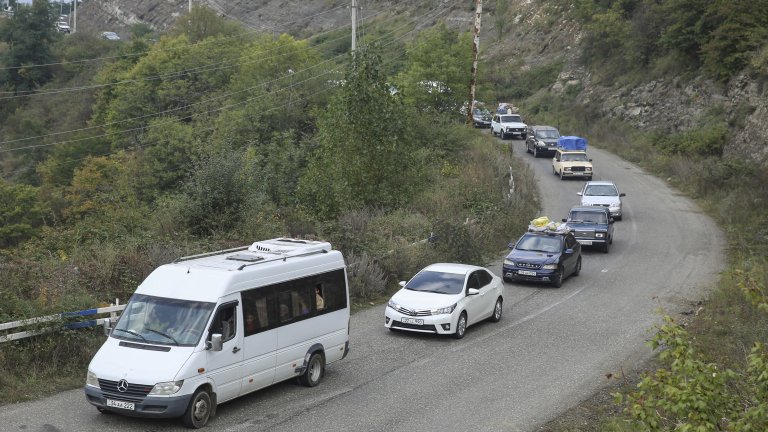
(251, 323)
(319, 300)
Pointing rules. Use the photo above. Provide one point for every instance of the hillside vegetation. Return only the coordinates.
(119, 157)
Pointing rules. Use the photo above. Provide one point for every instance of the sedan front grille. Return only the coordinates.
(582, 234)
(410, 312)
(425, 328)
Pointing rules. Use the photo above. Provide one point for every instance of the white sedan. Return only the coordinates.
(445, 299)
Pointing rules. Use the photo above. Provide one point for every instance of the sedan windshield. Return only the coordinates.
(163, 321)
(437, 282)
(539, 243)
(588, 217)
(601, 190)
(547, 134)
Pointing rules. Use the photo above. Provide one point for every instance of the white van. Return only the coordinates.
(208, 328)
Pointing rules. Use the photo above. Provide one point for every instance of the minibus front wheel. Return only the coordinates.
(199, 410)
(314, 371)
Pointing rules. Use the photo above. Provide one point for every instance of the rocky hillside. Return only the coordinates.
(532, 33)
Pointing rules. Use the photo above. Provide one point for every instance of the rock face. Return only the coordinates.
(524, 36)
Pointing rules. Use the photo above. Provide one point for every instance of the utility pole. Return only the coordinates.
(354, 25)
(475, 49)
(190, 5)
(74, 20)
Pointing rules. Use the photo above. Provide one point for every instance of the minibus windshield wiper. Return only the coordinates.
(163, 334)
(131, 332)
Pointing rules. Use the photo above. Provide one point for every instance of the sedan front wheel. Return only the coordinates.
(461, 326)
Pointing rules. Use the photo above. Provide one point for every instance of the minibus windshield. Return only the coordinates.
(163, 321)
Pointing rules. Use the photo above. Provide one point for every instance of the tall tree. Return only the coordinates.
(365, 155)
(29, 36)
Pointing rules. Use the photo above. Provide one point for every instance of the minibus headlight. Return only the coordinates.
(91, 379)
(166, 388)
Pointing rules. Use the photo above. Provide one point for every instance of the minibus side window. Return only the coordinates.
(334, 291)
(225, 322)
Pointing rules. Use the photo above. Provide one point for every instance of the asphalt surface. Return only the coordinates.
(551, 349)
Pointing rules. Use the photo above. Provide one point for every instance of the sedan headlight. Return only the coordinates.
(549, 266)
(166, 388)
(393, 305)
(614, 206)
(599, 235)
(445, 310)
(91, 379)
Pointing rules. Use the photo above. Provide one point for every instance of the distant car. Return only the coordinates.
(592, 226)
(508, 125)
(481, 118)
(62, 27)
(445, 298)
(540, 256)
(542, 140)
(110, 36)
(603, 193)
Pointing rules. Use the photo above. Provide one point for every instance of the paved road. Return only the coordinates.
(550, 350)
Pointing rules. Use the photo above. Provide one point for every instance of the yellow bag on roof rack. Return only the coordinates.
(540, 222)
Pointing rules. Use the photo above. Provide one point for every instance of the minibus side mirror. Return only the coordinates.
(107, 324)
(215, 343)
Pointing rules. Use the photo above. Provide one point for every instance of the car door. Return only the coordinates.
(488, 292)
(225, 366)
(570, 259)
(476, 304)
(495, 124)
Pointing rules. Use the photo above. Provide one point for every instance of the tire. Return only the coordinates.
(498, 309)
(461, 326)
(606, 246)
(314, 372)
(535, 152)
(561, 176)
(199, 410)
(577, 270)
(557, 283)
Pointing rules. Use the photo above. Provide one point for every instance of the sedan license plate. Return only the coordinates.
(586, 242)
(413, 321)
(527, 272)
(120, 404)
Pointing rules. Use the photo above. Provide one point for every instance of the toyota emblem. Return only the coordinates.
(122, 386)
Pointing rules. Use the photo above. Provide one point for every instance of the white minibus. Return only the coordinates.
(208, 328)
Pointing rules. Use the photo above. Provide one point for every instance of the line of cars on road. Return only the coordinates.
(447, 298)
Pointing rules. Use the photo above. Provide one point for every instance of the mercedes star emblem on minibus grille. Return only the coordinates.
(122, 386)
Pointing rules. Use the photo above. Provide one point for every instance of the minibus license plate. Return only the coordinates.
(413, 321)
(120, 404)
(527, 273)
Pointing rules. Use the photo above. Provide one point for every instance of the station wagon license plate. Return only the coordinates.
(527, 272)
(586, 242)
(120, 404)
(413, 321)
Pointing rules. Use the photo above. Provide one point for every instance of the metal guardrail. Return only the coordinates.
(111, 310)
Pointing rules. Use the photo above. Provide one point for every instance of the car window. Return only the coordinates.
(510, 119)
(588, 217)
(473, 281)
(570, 242)
(484, 277)
(437, 282)
(601, 190)
(539, 243)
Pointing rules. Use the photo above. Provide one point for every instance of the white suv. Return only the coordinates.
(509, 125)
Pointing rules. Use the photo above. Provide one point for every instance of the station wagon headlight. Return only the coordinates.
(509, 262)
(549, 266)
(166, 388)
(445, 310)
(91, 379)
